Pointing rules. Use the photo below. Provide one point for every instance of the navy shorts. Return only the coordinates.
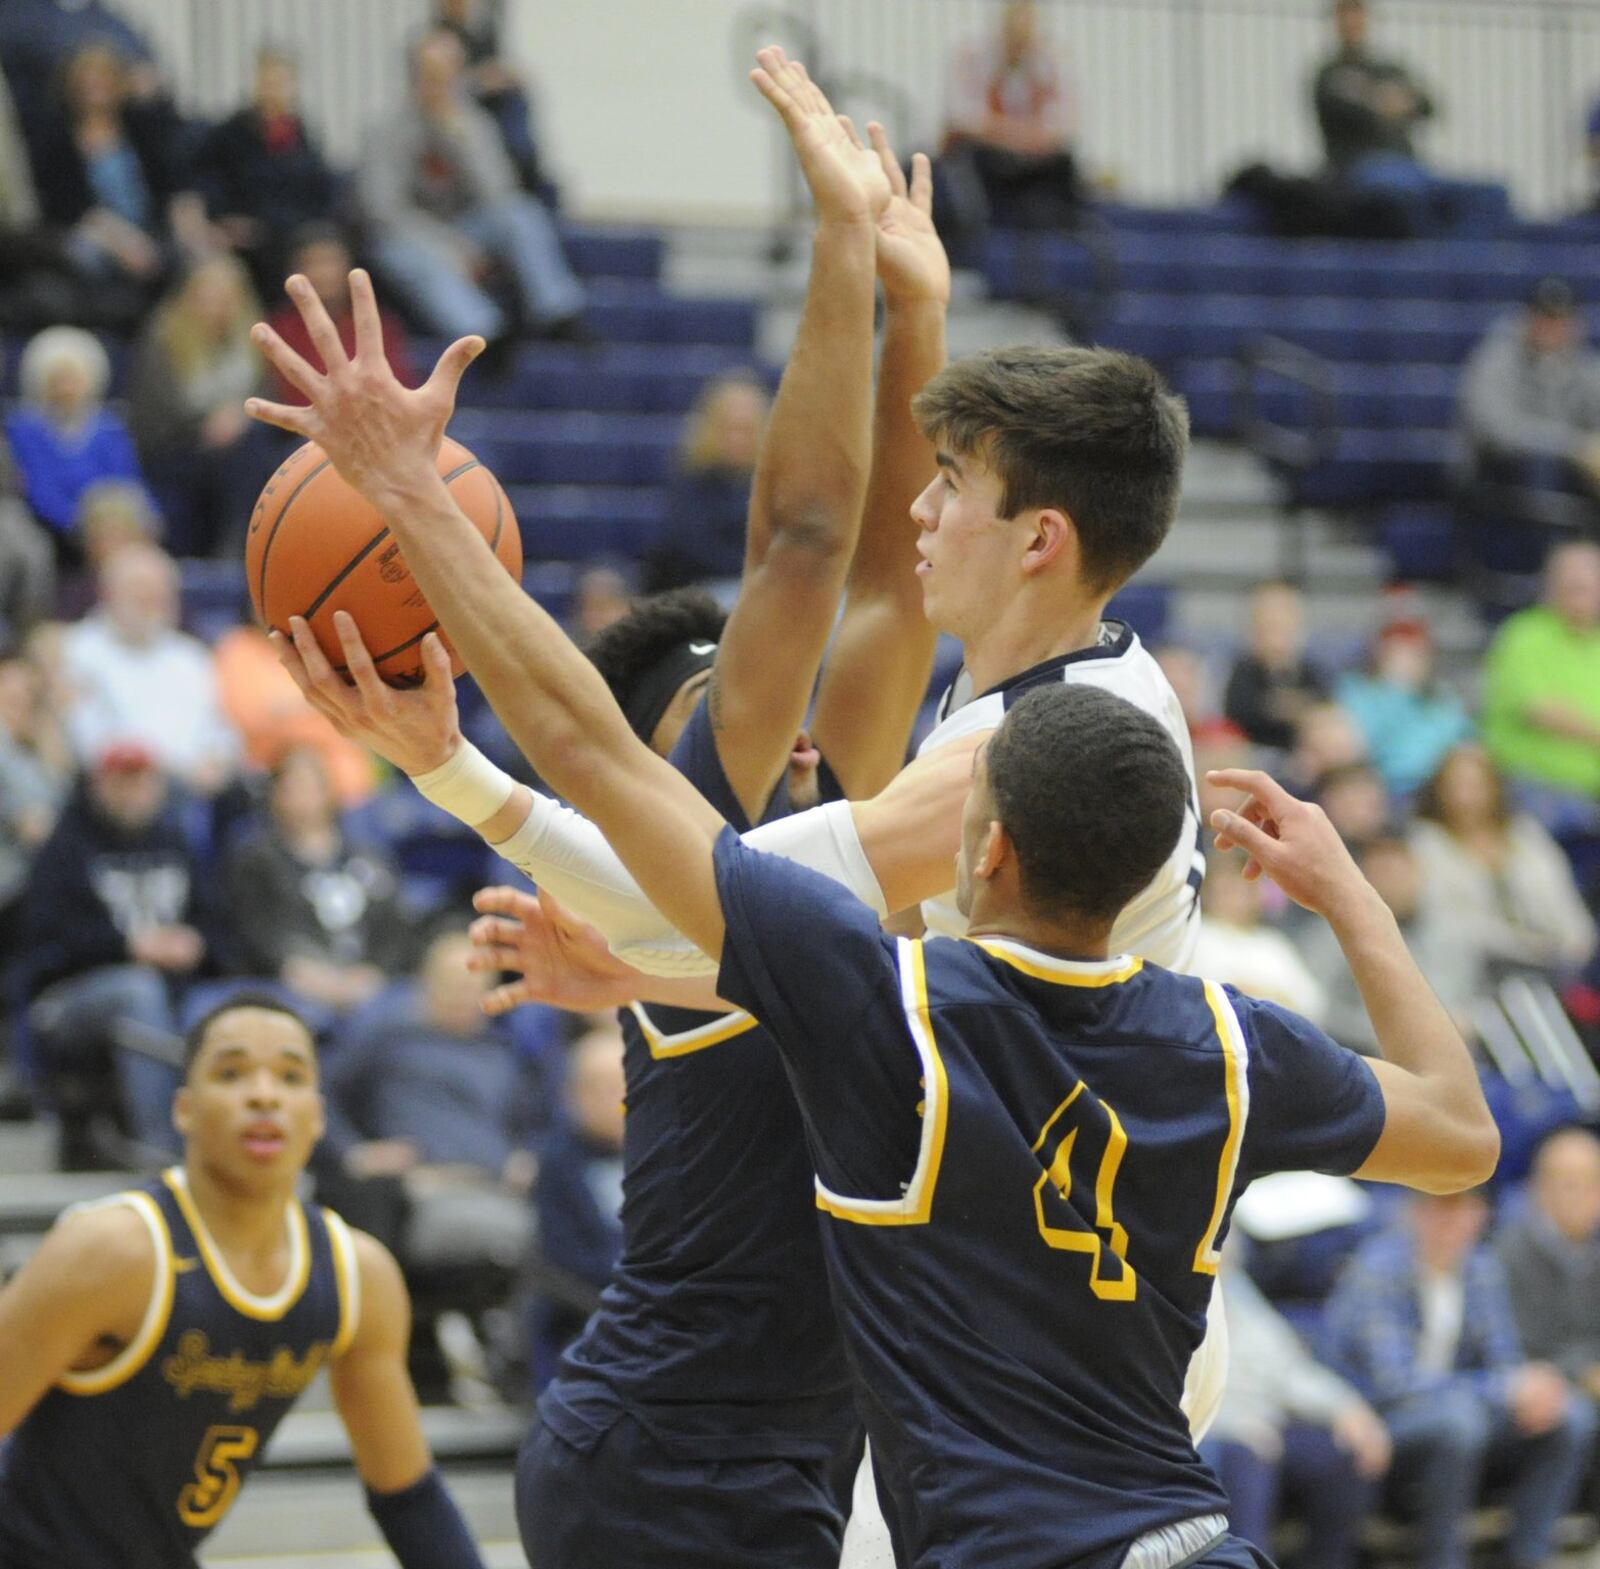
(629, 1502)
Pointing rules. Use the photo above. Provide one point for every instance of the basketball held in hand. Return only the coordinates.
(316, 546)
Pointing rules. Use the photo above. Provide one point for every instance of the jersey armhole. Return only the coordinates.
(347, 1272)
(133, 1356)
(713, 1033)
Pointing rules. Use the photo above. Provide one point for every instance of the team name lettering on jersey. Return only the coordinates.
(282, 1376)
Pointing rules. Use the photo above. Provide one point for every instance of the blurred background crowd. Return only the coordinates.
(1406, 366)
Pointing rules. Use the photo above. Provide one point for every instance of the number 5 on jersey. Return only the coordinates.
(216, 1475)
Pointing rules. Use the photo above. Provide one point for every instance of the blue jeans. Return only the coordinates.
(1332, 1497)
(1443, 1445)
(518, 233)
(101, 1019)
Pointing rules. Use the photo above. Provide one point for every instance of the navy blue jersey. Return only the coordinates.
(716, 1331)
(130, 1466)
(1028, 1167)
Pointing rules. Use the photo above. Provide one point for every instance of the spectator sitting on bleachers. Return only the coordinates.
(1357, 803)
(27, 559)
(1367, 109)
(194, 367)
(272, 716)
(1272, 682)
(26, 251)
(1551, 1257)
(709, 495)
(63, 437)
(1326, 737)
(436, 1094)
(602, 596)
(112, 513)
(1541, 694)
(1236, 946)
(112, 922)
(1290, 1430)
(579, 1193)
(1439, 942)
(1530, 401)
(135, 676)
(39, 37)
(261, 172)
(1499, 871)
(1010, 125)
(495, 85)
(444, 205)
(308, 907)
(1408, 718)
(35, 775)
(322, 253)
(1421, 1322)
(1191, 684)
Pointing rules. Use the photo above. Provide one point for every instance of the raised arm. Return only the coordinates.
(1438, 1135)
(878, 668)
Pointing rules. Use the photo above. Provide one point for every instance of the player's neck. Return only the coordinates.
(1027, 633)
(1059, 939)
(243, 1222)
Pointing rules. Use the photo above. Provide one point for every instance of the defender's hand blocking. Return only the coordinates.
(382, 437)
(562, 961)
(847, 180)
(416, 730)
(1290, 840)
(911, 257)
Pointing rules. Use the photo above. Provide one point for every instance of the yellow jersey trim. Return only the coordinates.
(347, 1271)
(713, 1033)
(1061, 972)
(1236, 1081)
(266, 1309)
(915, 1206)
(157, 1313)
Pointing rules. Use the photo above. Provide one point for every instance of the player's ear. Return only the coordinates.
(183, 1110)
(996, 851)
(1053, 533)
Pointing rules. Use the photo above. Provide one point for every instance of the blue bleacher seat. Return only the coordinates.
(613, 253)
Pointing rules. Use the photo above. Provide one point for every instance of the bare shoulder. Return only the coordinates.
(385, 1302)
(100, 1246)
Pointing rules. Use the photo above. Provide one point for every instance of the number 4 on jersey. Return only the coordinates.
(1059, 1220)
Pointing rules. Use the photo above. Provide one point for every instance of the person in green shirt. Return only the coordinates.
(1542, 690)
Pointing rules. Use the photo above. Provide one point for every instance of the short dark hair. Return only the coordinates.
(630, 648)
(245, 997)
(1089, 431)
(1092, 792)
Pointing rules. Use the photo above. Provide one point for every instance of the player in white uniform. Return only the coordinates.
(1059, 472)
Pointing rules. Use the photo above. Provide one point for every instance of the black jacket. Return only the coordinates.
(241, 175)
(61, 175)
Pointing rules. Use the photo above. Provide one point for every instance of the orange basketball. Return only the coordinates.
(316, 546)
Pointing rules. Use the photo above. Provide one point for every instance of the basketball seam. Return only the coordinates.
(277, 523)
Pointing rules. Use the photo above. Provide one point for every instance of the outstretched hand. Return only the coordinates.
(911, 257)
(1289, 840)
(416, 730)
(560, 960)
(846, 178)
(383, 437)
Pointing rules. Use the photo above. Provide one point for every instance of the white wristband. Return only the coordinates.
(468, 787)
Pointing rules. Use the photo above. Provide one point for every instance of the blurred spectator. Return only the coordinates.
(1439, 942)
(495, 85)
(27, 559)
(309, 908)
(1367, 109)
(445, 208)
(1326, 736)
(1235, 945)
(111, 922)
(1530, 398)
(193, 369)
(262, 174)
(135, 677)
(19, 201)
(435, 1093)
(1190, 681)
(35, 775)
(1421, 1320)
(1499, 871)
(1011, 122)
(1407, 716)
(1541, 693)
(1219, 746)
(107, 169)
(601, 596)
(272, 717)
(63, 437)
(112, 513)
(322, 253)
(1272, 682)
(1290, 1430)
(709, 496)
(38, 37)
(580, 1188)
(1551, 1257)
(1357, 804)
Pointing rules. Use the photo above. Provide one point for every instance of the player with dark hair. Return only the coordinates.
(151, 1346)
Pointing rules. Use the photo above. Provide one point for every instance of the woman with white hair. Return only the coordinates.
(63, 437)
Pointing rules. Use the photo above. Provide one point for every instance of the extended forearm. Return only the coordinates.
(812, 472)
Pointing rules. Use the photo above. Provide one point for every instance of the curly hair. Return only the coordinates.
(629, 649)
